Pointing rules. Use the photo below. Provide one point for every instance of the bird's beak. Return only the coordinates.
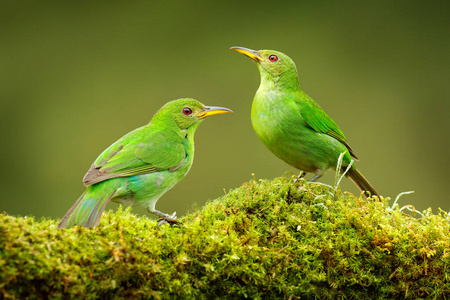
(213, 110)
(253, 54)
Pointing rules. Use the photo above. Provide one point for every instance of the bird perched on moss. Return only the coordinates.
(292, 125)
(144, 164)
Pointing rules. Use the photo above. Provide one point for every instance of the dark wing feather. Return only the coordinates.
(317, 119)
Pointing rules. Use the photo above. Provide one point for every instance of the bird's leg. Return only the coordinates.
(319, 174)
(165, 217)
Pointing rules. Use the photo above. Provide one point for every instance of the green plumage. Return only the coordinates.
(144, 164)
(292, 125)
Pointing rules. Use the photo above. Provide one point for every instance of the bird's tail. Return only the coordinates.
(362, 183)
(87, 210)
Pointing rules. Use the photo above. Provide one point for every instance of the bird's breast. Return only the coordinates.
(273, 114)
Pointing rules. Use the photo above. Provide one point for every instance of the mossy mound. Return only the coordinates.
(265, 240)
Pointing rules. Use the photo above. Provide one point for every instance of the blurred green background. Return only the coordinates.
(75, 77)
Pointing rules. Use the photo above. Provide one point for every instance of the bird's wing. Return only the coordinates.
(317, 119)
(142, 151)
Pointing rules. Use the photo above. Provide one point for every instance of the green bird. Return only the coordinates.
(142, 165)
(292, 125)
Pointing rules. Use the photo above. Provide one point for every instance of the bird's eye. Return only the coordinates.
(273, 57)
(187, 111)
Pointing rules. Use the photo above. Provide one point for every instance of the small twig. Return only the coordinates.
(398, 197)
(322, 184)
(338, 168)
(412, 209)
(338, 178)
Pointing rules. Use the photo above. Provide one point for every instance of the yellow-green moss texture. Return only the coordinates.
(264, 240)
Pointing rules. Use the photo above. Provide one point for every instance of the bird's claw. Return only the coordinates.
(165, 218)
(162, 222)
(300, 176)
(172, 218)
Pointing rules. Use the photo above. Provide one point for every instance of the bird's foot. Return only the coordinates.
(300, 176)
(164, 221)
(161, 222)
(165, 218)
(171, 221)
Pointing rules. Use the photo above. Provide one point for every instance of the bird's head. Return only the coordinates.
(275, 67)
(186, 113)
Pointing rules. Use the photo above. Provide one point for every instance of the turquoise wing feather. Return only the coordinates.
(142, 151)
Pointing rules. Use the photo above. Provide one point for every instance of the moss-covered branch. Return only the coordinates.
(266, 240)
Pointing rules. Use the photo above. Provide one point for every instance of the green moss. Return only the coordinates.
(265, 240)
